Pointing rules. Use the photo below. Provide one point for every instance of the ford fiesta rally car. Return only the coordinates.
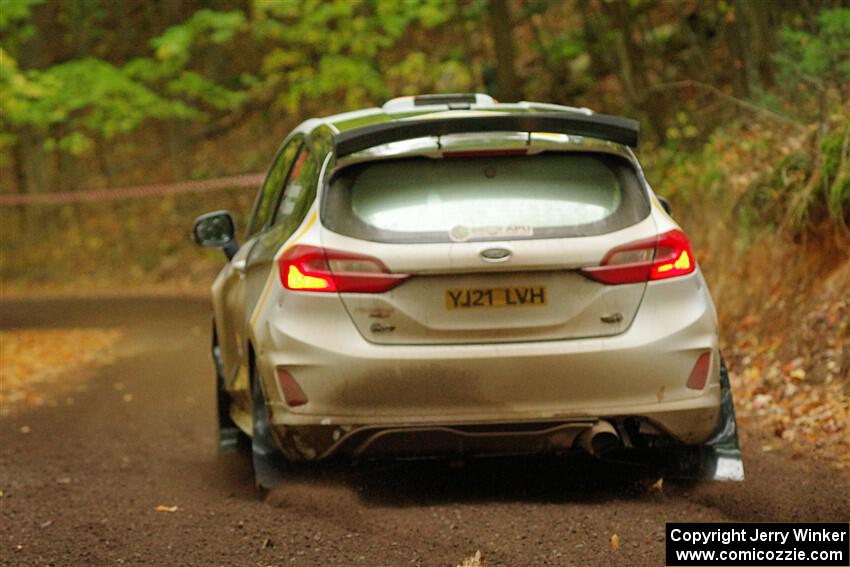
(447, 275)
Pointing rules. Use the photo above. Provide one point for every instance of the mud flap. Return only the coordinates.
(229, 435)
(719, 458)
(269, 462)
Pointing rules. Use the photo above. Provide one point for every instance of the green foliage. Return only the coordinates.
(331, 47)
(806, 188)
(835, 152)
(307, 50)
(15, 13)
(816, 61)
(82, 98)
(19, 89)
(196, 87)
(174, 46)
(73, 102)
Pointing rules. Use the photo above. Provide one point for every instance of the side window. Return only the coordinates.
(268, 197)
(299, 191)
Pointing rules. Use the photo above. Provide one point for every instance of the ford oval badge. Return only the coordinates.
(495, 255)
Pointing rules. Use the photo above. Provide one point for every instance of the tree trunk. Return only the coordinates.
(746, 41)
(633, 74)
(592, 37)
(503, 45)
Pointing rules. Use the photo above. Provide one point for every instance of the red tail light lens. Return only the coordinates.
(310, 268)
(667, 256)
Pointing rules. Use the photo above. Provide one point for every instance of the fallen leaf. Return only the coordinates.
(166, 508)
(615, 542)
(658, 485)
(474, 561)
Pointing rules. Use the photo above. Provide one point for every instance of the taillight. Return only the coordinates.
(665, 256)
(310, 268)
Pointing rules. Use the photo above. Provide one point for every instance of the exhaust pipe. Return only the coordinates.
(599, 439)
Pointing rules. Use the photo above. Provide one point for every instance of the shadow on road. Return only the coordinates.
(810, 491)
(574, 478)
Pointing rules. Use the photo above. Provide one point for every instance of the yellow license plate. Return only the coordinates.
(514, 296)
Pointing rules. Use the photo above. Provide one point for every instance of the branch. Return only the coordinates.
(734, 100)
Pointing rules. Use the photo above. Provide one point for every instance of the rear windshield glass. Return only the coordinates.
(547, 195)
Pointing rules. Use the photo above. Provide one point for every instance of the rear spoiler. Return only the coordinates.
(611, 128)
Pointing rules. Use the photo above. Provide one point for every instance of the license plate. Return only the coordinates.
(519, 296)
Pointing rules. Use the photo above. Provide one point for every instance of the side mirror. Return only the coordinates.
(217, 230)
(665, 204)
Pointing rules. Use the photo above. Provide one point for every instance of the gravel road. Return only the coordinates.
(82, 486)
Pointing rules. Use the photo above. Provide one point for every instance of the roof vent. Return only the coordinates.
(459, 101)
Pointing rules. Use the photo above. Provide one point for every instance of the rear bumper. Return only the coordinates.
(353, 385)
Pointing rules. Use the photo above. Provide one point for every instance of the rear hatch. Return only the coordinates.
(491, 241)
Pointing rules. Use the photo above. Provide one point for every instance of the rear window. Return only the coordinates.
(548, 195)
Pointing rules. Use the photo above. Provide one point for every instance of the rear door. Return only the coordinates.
(492, 243)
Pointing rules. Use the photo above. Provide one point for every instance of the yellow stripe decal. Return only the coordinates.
(304, 230)
(268, 287)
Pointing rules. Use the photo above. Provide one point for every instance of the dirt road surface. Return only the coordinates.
(82, 486)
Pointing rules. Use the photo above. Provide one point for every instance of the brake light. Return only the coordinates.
(666, 256)
(310, 268)
(484, 153)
